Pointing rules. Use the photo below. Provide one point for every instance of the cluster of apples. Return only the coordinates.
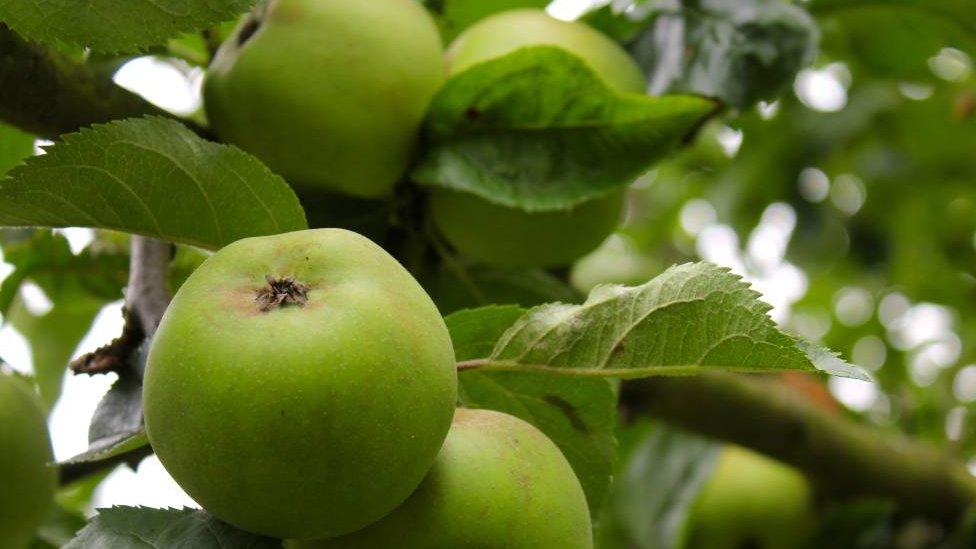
(331, 95)
(304, 386)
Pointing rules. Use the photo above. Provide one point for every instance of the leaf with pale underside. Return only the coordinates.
(691, 319)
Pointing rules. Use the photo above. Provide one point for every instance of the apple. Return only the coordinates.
(300, 385)
(498, 482)
(329, 94)
(27, 483)
(507, 236)
(750, 501)
(453, 16)
(505, 32)
(499, 235)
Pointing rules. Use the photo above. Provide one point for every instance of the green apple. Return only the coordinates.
(300, 385)
(330, 94)
(506, 236)
(506, 32)
(498, 482)
(27, 483)
(499, 235)
(453, 16)
(750, 501)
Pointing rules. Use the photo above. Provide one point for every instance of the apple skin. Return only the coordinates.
(508, 31)
(499, 235)
(458, 15)
(329, 94)
(27, 481)
(498, 482)
(750, 501)
(300, 421)
(506, 236)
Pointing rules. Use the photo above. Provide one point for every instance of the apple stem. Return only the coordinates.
(280, 293)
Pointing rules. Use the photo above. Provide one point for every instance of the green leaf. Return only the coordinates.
(896, 38)
(150, 176)
(111, 447)
(690, 319)
(59, 527)
(115, 26)
(46, 259)
(458, 285)
(54, 336)
(15, 146)
(141, 527)
(475, 332)
(78, 287)
(739, 52)
(579, 415)
(658, 481)
(538, 130)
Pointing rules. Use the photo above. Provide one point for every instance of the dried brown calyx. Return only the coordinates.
(279, 293)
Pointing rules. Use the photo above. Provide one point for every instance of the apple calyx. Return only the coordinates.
(280, 293)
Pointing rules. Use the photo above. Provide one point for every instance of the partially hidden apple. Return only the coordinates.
(507, 236)
(497, 483)
(329, 94)
(300, 385)
(453, 16)
(27, 482)
(751, 501)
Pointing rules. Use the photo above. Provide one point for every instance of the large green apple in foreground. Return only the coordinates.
(750, 501)
(497, 483)
(330, 94)
(501, 235)
(300, 385)
(453, 16)
(26, 481)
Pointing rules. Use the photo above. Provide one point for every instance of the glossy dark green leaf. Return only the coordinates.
(115, 25)
(538, 130)
(150, 176)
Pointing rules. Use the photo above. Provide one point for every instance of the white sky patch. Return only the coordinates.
(951, 64)
(857, 395)
(149, 485)
(697, 214)
(80, 394)
(78, 238)
(964, 384)
(170, 84)
(730, 139)
(853, 306)
(823, 89)
(569, 10)
(35, 300)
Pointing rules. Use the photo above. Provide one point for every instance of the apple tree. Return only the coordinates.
(467, 273)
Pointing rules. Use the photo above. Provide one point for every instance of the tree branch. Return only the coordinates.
(48, 93)
(146, 299)
(842, 458)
